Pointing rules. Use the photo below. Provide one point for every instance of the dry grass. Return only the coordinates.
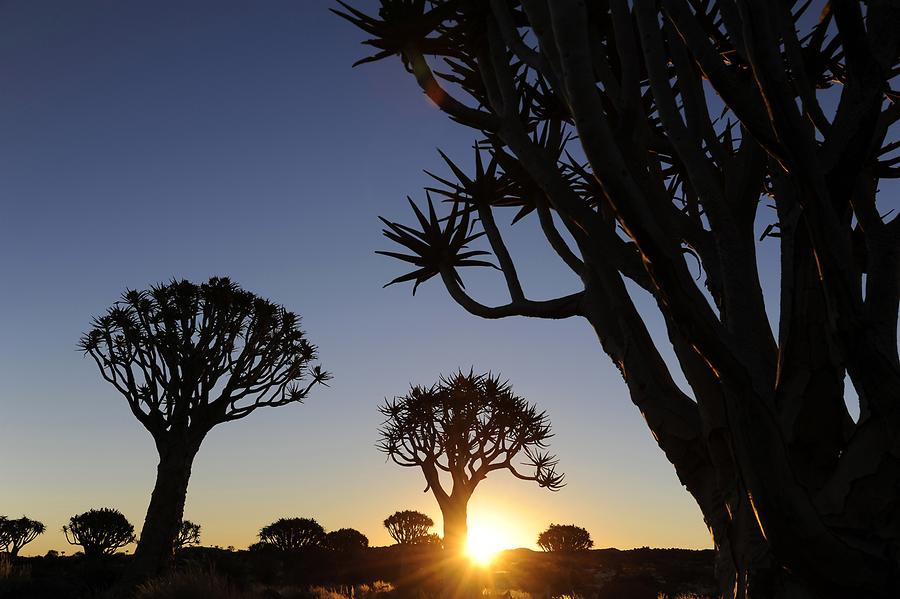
(10, 570)
(190, 583)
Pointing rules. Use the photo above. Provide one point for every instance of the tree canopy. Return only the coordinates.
(99, 531)
(467, 426)
(188, 356)
(289, 534)
(565, 538)
(408, 527)
(15, 533)
(346, 540)
(188, 534)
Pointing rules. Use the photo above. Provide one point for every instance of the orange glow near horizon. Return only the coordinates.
(487, 537)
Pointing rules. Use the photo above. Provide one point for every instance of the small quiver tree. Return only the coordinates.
(565, 538)
(188, 534)
(187, 357)
(460, 430)
(16, 533)
(408, 527)
(346, 540)
(99, 532)
(290, 534)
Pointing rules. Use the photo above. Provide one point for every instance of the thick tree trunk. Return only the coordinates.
(456, 528)
(156, 544)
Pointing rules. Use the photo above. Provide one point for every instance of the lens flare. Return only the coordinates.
(484, 543)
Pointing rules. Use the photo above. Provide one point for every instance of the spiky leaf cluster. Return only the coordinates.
(434, 247)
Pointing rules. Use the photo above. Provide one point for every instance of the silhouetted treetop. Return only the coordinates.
(99, 531)
(346, 540)
(468, 426)
(188, 534)
(408, 527)
(182, 352)
(288, 534)
(565, 537)
(15, 533)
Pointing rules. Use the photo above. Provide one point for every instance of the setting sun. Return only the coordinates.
(482, 546)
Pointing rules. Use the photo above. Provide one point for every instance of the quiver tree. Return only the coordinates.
(346, 540)
(99, 532)
(643, 137)
(408, 527)
(18, 532)
(187, 357)
(290, 534)
(460, 430)
(565, 538)
(188, 534)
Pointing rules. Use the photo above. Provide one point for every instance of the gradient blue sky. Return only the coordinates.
(141, 141)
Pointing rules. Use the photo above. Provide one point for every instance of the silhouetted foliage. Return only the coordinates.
(346, 540)
(187, 357)
(188, 534)
(287, 534)
(463, 428)
(644, 137)
(565, 538)
(408, 527)
(99, 531)
(18, 532)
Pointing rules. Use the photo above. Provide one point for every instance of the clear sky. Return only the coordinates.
(141, 141)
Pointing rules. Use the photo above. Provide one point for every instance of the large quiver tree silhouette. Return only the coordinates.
(644, 137)
(460, 430)
(187, 357)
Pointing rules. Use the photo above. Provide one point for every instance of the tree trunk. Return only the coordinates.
(156, 544)
(456, 528)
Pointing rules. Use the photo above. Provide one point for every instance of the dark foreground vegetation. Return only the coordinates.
(396, 571)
